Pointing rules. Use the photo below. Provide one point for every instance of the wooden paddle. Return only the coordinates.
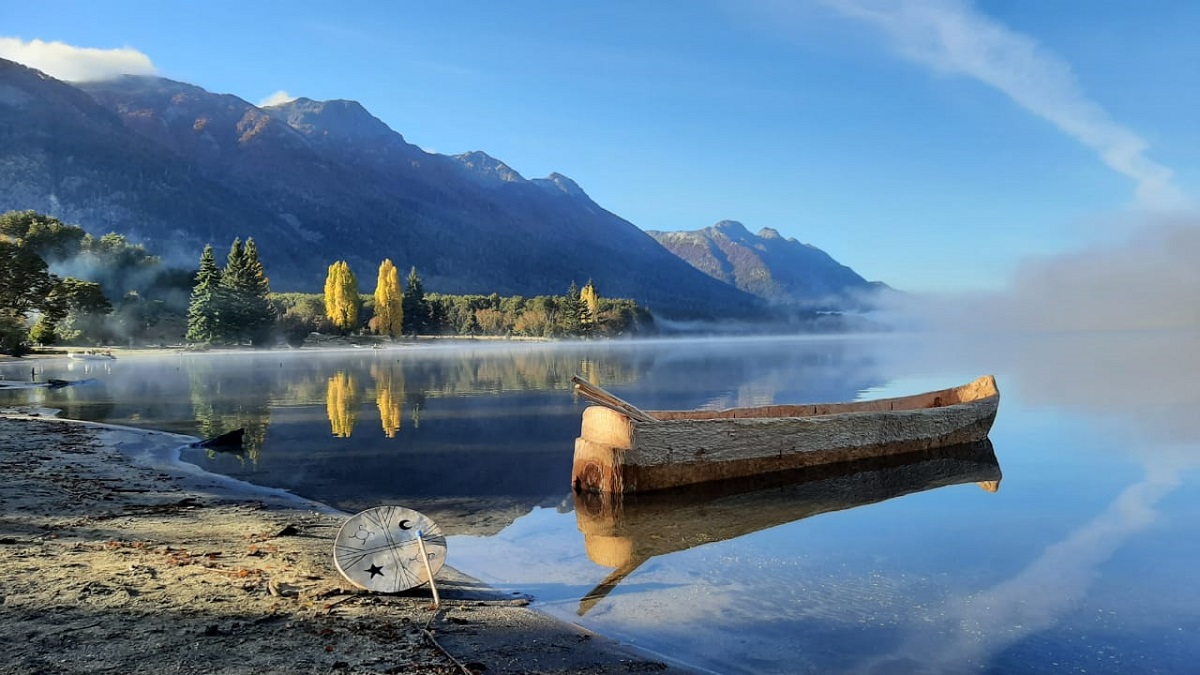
(597, 395)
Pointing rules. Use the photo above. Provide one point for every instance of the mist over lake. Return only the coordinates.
(1080, 558)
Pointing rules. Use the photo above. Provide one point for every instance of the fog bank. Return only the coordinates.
(1151, 280)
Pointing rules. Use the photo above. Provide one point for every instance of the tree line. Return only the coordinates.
(393, 311)
(61, 285)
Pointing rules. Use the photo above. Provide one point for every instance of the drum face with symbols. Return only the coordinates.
(378, 550)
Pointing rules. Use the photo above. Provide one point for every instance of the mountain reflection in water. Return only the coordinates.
(625, 531)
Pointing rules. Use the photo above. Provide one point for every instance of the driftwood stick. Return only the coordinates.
(459, 664)
(597, 395)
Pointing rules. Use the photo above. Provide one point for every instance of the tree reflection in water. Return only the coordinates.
(341, 404)
(389, 396)
(222, 400)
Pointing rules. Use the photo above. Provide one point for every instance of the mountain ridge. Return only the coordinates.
(781, 270)
(174, 166)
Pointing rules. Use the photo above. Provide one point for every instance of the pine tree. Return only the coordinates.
(414, 307)
(204, 310)
(389, 307)
(341, 296)
(572, 312)
(256, 295)
(236, 314)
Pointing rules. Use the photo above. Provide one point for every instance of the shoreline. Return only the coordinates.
(115, 555)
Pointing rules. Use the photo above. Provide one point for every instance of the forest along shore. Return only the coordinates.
(113, 561)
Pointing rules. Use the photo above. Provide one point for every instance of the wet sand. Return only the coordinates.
(116, 558)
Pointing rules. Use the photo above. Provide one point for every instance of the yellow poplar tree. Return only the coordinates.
(591, 301)
(341, 296)
(389, 312)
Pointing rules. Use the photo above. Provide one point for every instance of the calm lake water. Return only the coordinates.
(1084, 559)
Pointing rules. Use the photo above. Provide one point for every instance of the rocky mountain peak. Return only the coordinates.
(731, 229)
(486, 166)
(778, 269)
(340, 119)
(557, 181)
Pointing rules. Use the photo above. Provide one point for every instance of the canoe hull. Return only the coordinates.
(616, 454)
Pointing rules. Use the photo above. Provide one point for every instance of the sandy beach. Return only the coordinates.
(115, 558)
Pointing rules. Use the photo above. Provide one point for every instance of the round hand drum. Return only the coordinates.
(378, 549)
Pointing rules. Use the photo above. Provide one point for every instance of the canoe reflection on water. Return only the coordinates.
(624, 531)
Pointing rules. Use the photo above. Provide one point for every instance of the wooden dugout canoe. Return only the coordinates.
(624, 450)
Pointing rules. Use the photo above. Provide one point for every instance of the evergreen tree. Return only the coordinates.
(235, 313)
(204, 310)
(341, 296)
(389, 307)
(414, 307)
(255, 290)
(572, 312)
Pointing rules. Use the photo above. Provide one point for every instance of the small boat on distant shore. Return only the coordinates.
(622, 449)
(92, 355)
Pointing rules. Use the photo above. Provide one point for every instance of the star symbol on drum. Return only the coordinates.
(375, 570)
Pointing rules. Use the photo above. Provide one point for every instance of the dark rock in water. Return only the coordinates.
(227, 442)
(59, 384)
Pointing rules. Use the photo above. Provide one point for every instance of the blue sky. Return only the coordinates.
(933, 144)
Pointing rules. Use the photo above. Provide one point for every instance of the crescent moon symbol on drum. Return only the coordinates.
(404, 524)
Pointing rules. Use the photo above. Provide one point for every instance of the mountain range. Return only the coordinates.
(174, 166)
(780, 270)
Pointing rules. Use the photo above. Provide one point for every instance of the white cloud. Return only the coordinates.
(76, 64)
(278, 97)
(951, 37)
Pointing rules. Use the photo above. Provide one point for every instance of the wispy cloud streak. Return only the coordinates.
(76, 64)
(951, 37)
